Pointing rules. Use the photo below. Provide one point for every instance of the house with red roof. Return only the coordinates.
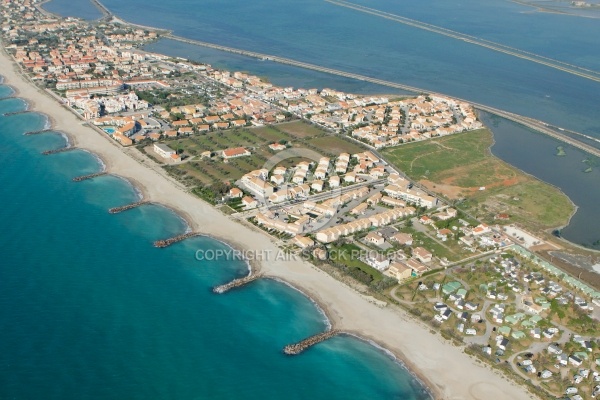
(235, 152)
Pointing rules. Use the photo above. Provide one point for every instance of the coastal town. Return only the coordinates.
(304, 167)
(99, 71)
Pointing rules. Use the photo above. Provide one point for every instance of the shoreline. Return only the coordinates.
(563, 240)
(313, 299)
(428, 355)
(12, 88)
(401, 360)
(575, 206)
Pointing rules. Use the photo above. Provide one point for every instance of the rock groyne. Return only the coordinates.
(297, 348)
(116, 210)
(90, 176)
(8, 114)
(179, 238)
(38, 132)
(236, 283)
(61, 150)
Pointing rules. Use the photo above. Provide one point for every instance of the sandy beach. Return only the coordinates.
(449, 373)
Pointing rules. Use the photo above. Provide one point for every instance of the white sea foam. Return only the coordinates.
(64, 136)
(98, 159)
(188, 228)
(12, 89)
(247, 262)
(387, 352)
(248, 265)
(317, 305)
(22, 100)
(394, 358)
(101, 162)
(47, 123)
(138, 192)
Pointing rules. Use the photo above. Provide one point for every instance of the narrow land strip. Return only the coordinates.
(448, 371)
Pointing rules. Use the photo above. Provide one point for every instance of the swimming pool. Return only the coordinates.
(109, 130)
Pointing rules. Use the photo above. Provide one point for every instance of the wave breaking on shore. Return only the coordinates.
(395, 358)
(318, 306)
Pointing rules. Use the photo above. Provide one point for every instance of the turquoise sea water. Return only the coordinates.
(89, 309)
(5, 91)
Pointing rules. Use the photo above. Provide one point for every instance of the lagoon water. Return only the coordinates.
(79, 9)
(89, 309)
(318, 32)
(535, 154)
(321, 33)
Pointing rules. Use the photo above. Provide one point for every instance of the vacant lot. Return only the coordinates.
(270, 134)
(334, 145)
(461, 166)
(300, 129)
(529, 202)
(213, 141)
(343, 255)
(436, 159)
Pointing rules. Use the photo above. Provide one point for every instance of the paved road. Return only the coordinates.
(549, 62)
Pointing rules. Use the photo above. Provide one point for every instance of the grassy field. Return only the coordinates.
(335, 145)
(196, 144)
(269, 133)
(300, 129)
(435, 159)
(532, 203)
(450, 249)
(343, 255)
(461, 166)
